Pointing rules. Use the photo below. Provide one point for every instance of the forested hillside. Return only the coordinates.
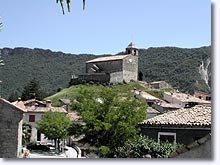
(52, 69)
(182, 68)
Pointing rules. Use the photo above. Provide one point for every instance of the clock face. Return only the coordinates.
(130, 60)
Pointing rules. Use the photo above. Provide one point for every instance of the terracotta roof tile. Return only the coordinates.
(3, 101)
(186, 97)
(195, 116)
(45, 109)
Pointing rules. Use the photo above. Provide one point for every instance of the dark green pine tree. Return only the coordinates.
(13, 96)
(33, 91)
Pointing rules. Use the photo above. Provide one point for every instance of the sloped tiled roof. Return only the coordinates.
(144, 95)
(186, 97)
(19, 104)
(108, 58)
(195, 116)
(152, 110)
(45, 109)
(3, 101)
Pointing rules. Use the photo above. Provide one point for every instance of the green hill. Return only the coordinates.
(177, 66)
(72, 92)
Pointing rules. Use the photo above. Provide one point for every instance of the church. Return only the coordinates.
(107, 70)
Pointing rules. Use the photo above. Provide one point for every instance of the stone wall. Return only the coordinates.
(116, 77)
(203, 151)
(10, 130)
(96, 78)
(130, 68)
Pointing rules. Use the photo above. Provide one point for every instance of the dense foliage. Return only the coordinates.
(53, 70)
(110, 120)
(26, 133)
(142, 147)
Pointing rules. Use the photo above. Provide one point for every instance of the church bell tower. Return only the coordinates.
(131, 49)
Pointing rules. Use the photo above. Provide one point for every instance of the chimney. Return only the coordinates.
(48, 103)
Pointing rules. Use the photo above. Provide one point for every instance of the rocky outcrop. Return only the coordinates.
(205, 71)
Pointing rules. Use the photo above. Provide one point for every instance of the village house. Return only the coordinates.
(114, 69)
(151, 112)
(154, 102)
(202, 95)
(182, 126)
(11, 119)
(184, 100)
(35, 109)
(159, 85)
(146, 97)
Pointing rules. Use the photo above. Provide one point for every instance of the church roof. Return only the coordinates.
(108, 58)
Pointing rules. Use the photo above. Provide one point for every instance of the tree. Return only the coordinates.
(26, 136)
(33, 91)
(13, 96)
(140, 76)
(68, 5)
(54, 125)
(142, 147)
(110, 119)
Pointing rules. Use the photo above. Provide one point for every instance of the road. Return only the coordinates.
(69, 153)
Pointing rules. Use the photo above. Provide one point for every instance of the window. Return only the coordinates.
(167, 136)
(31, 118)
(208, 98)
(38, 136)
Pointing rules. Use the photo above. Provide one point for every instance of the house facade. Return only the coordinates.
(184, 100)
(202, 95)
(154, 102)
(182, 126)
(111, 69)
(11, 118)
(159, 85)
(34, 111)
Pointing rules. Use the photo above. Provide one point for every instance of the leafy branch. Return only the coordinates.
(68, 5)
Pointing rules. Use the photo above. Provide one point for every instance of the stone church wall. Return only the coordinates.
(130, 68)
(116, 77)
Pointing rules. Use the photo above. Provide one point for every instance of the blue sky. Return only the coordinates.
(106, 26)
